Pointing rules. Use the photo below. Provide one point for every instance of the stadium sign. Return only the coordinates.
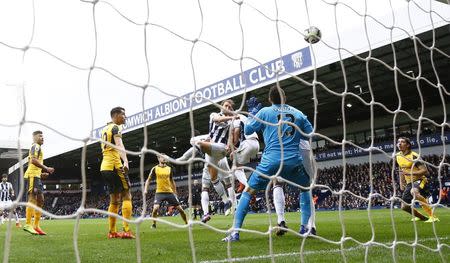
(250, 79)
(350, 151)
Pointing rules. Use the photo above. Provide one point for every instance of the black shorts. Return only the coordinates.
(420, 184)
(116, 180)
(196, 201)
(34, 185)
(171, 199)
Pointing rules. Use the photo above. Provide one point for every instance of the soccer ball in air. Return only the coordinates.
(312, 35)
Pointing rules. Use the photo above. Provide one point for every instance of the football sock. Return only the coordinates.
(242, 209)
(305, 207)
(425, 206)
(232, 196)
(240, 175)
(37, 218)
(127, 208)
(205, 202)
(218, 186)
(113, 208)
(279, 202)
(17, 216)
(183, 215)
(29, 212)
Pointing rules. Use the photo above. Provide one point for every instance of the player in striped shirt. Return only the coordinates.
(215, 148)
(6, 194)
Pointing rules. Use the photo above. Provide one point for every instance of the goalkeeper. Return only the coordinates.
(275, 153)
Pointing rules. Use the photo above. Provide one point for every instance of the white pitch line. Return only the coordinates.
(298, 253)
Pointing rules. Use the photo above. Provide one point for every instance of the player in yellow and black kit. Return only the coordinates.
(115, 173)
(35, 170)
(165, 188)
(413, 181)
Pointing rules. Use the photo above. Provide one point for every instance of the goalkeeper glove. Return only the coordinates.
(253, 105)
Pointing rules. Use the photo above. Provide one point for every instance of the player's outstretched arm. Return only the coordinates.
(253, 125)
(217, 118)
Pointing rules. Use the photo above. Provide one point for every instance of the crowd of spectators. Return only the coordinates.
(358, 185)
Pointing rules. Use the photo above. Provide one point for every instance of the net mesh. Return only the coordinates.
(315, 83)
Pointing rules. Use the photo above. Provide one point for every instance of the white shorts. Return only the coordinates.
(225, 177)
(5, 205)
(218, 151)
(247, 149)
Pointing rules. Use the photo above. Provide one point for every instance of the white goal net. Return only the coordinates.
(380, 71)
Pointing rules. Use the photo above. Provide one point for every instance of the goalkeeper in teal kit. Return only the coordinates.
(292, 168)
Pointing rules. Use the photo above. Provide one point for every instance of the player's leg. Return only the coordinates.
(206, 183)
(155, 210)
(295, 172)
(3, 213)
(113, 208)
(419, 192)
(214, 175)
(255, 183)
(309, 164)
(37, 214)
(305, 201)
(406, 205)
(29, 214)
(279, 202)
(127, 204)
(127, 212)
(112, 181)
(240, 213)
(233, 201)
(240, 176)
(247, 150)
(191, 152)
(39, 203)
(229, 198)
(173, 200)
(2, 217)
(182, 213)
(306, 211)
(29, 210)
(205, 147)
(17, 218)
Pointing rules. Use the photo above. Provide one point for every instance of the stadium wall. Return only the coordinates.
(379, 157)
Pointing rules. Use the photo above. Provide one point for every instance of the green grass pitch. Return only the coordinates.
(169, 244)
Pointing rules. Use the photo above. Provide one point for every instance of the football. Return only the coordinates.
(312, 35)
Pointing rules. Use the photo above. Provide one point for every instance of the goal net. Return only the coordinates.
(378, 72)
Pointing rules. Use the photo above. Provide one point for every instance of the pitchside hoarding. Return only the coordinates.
(388, 146)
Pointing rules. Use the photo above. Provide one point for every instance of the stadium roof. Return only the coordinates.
(9, 154)
(175, 132)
